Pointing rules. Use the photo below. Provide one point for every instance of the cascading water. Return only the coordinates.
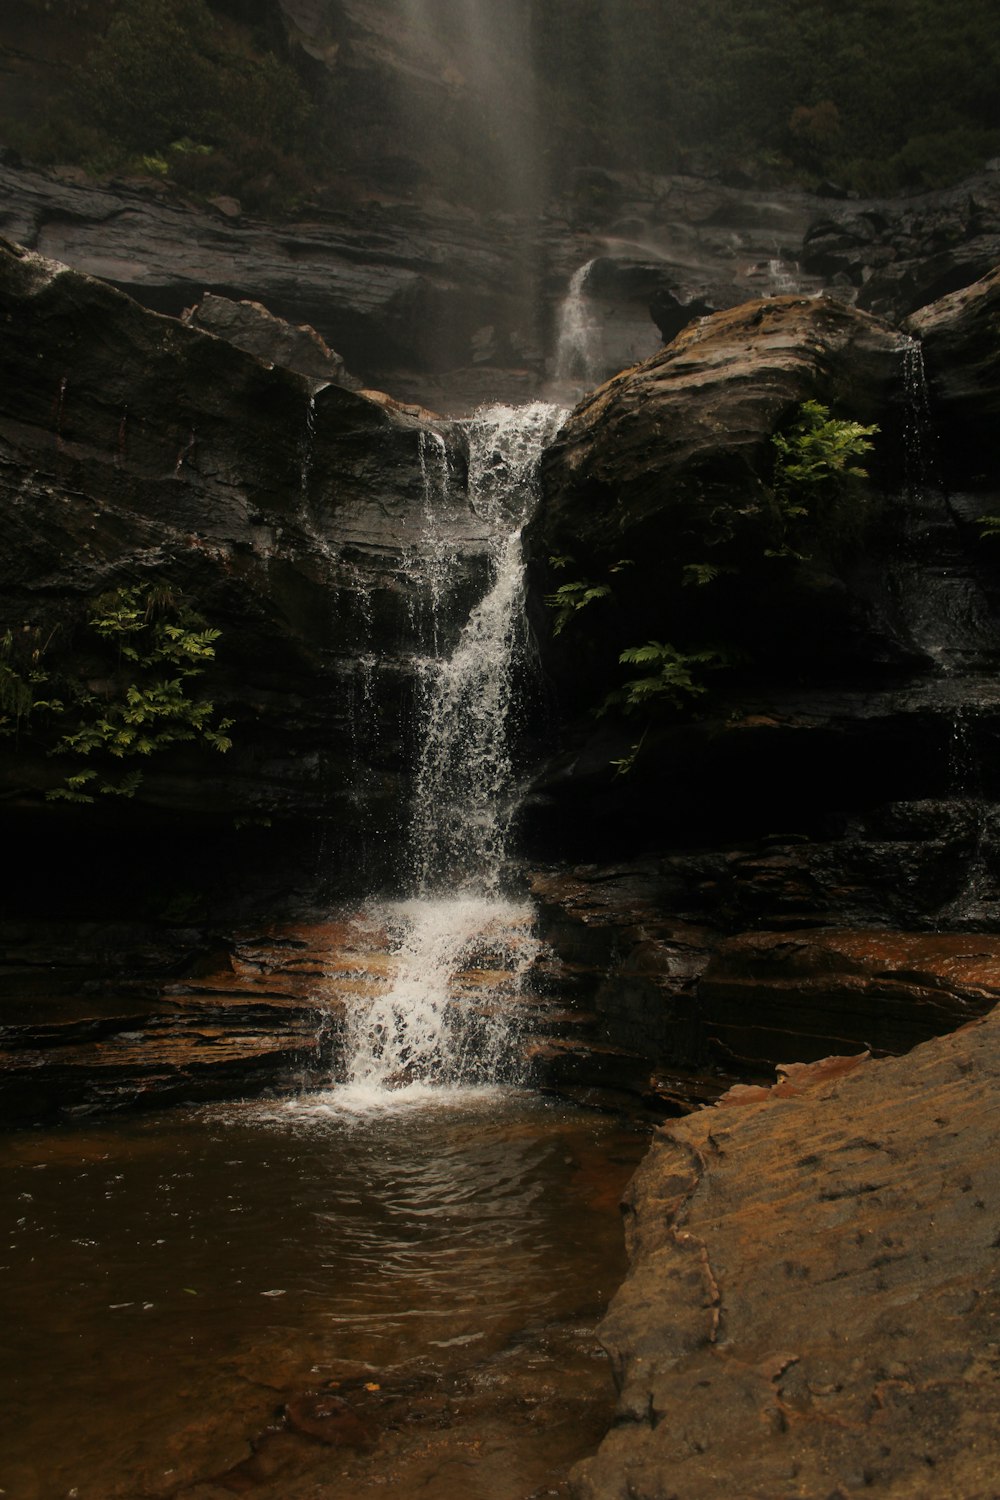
(577, 335)
(461, 947)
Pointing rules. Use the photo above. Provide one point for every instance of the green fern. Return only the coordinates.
(147, 704)
(568, 600)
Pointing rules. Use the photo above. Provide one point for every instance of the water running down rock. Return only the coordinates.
(461, 946)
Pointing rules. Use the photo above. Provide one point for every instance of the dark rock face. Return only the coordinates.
(960, 337)
(672, 1001)
(140, 451)
(737, 1351)
(250, 326)
(863, 675)
(831, 805)
(401, 292)
(668, 465)
(439, 305)
(894, 257)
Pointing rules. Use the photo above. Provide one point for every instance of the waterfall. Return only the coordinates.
(578, 334)
(460, 946)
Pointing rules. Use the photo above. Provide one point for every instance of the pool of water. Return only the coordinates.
(173, 1285)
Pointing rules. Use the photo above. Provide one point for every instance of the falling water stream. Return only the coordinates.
(389, 1287)
(462, 944)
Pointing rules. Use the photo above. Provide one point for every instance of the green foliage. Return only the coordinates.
(817, 453)
(22, 677)
(875, 97)
(699, 574)
(133, 698)
(570, 598)
(175, 91)
(989, 528)
(668, 675)
(815, 469)
(162, 73)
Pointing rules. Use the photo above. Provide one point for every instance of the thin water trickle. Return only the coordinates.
(461, 947)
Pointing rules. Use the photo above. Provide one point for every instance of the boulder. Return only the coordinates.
(811, 1306)
(665, 470)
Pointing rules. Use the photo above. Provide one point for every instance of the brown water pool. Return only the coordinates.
(288, 1300)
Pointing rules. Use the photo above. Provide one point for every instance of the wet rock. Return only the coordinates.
(403, 289)
(960, 336)
(139, 451)
(398, 289)
(328, 1419)
(769, 998)
(672, 1010)
(735, 1347)
(100, 1017)
(894, 256)
(667, 465)
(250, 326)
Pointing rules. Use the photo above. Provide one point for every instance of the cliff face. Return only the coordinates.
(834, 644)
(449, 307)
(138, 451)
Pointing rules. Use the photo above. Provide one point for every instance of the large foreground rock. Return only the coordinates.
(812, 1309)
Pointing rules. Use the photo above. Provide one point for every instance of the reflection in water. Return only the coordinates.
(172, 1281)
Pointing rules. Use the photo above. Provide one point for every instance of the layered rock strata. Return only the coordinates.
(440, 305)
(294, 515)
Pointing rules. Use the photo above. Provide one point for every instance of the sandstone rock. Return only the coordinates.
(670, 435)
(328, 1419)
(811, 1307)
(768, 998)
(670, 1006)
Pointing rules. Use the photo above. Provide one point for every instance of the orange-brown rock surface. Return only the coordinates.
(812, 1309)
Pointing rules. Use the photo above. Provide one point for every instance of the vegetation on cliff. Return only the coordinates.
(120, 694)
(899, 95)
(221, 96)
(807, 514)
(177, 90)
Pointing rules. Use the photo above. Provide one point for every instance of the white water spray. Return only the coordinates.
(461, 949)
